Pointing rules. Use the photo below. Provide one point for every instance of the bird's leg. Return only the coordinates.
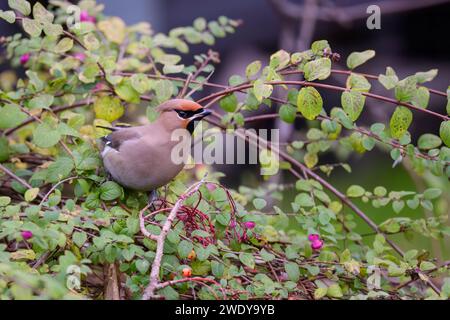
(152, 197)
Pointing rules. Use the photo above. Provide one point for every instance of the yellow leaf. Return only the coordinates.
(31, 194)
(114, 29)
(108, 108)
(311, 159)
(23, 255)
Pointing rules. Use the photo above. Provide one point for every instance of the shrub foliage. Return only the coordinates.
(68, 232)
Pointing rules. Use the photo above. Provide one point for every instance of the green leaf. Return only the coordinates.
(108, 108)
(262, 90)
(41, 14)
(266, 256)
(334, 291)
(429, 141)
(405, 90)
(22, 6)
(259, 203)
(110, 191)
(140, 82)
(142, 265)
(426, 76)
(252, 69)
(200, 24)
(152, 114)
(355, 191)
(318, 69)
(311, 159)
(356, 59)
(398, 205)
(64, 45)
(400, 121)
(79, 238)
(184, 248)
(53, 30)
(444, 132)
(9, 16)
(163, 90)
(4, 201)
(318, 47)
(432, 193)
(91, 42)
(217, 269)
(389, 81)
(368, 143)
(279, 59)
(11, 116)
(216, 29)
(42, 101)
(35, 81)
(427, 266)
(126, 92)
(320, 293)
(168, 59)
(304, 200)
(31, 194)
(287, 113)
(247, 259)
(309, 103)
(32, 27)
(45, 136)
(4, 149)
(173, 69)
(421, 98)
(292, 270)
(229, 103)
(235, 80)
(358, 82)
(59, 169)
(380, 191)
(353, 103)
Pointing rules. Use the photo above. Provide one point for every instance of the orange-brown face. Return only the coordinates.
(183, 113)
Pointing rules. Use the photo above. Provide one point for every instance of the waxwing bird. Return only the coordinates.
(139, 158)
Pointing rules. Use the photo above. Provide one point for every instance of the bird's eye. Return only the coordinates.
(183, 114)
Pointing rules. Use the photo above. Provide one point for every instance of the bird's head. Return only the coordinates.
(181, 113)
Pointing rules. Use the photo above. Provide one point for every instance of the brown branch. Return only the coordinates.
(446, 264)
(18, 179)
(365, 75)
(54, 110)
(217, 95)
(149, 292)
(361, 130)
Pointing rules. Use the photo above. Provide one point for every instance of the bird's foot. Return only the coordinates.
(152, 199)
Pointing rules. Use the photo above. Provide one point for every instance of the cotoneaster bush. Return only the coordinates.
(66, 232)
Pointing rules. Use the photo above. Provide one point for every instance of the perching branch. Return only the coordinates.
(149, 292)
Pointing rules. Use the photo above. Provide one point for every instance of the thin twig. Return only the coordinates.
(20, 180)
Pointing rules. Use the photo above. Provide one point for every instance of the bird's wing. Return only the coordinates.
(119, 136)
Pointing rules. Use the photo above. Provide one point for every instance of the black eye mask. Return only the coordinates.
(187, 114)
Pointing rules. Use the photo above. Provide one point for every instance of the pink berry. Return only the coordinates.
(317, 244)
(24, 58)
(313, 237)
(27, 234)
(249, 224)
(79, 56)
(85, 17)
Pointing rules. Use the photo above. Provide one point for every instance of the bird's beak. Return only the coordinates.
(200, 115)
